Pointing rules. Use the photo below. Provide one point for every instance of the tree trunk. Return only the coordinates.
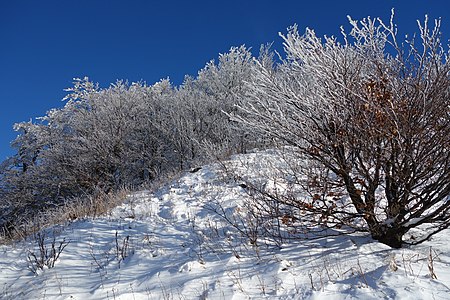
(390, 236)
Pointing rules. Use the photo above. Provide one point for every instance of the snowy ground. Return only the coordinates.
(165, 245)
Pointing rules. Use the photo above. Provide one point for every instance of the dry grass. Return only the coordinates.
(72, 209)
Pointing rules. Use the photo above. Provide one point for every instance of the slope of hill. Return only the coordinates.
(170, 244)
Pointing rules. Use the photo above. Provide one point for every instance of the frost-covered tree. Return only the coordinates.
(222, 87)
(196, 122)
(100, 141)
(20, 176)
(110, 137)
(125, 135)
(371, 117)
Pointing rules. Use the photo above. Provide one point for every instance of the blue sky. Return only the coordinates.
(44, 44)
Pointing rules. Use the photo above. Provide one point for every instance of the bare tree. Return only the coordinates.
(372, 115)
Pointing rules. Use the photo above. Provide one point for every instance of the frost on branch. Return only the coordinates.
(373, 114)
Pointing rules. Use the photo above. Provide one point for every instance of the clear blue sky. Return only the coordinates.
(44, 44)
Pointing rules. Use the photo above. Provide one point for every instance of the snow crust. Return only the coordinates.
(170, 253)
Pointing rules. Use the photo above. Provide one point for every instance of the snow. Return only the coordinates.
(414, 221)
(165, 244)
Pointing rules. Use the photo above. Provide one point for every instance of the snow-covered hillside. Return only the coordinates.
(165, 244)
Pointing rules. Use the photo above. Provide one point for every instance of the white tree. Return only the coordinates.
(374, 115)
(223, 87)
(101, 140)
